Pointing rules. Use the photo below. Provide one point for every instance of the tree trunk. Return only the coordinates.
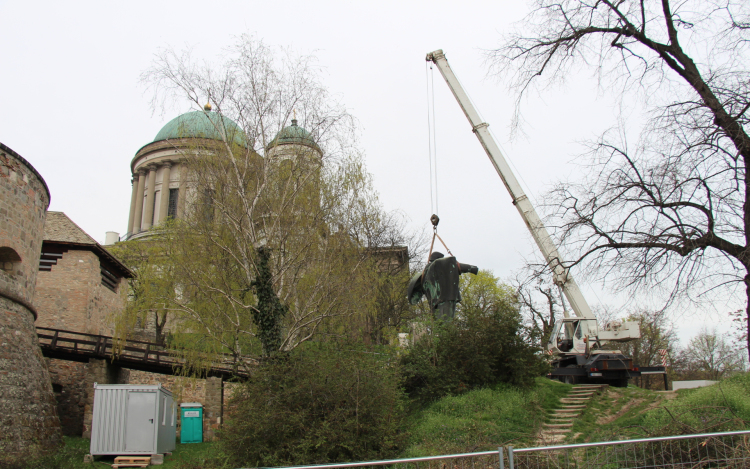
(747, 310)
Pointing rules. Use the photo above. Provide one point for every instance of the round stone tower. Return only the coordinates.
(28, 417)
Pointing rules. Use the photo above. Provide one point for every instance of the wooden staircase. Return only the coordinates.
(561, 420)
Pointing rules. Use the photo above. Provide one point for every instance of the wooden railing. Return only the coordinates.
(133, 354)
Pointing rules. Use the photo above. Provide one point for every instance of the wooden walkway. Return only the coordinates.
(135, 354)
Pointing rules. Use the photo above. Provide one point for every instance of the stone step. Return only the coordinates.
(558, 425)
(555, 431)
(573, 400)
(573, 406)
(551, 439)
(565, 415)
(561, 420)
(580, 393)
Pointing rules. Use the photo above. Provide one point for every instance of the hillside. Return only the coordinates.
(627, 413)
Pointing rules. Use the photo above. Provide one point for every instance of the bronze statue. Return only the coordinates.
(439, 283)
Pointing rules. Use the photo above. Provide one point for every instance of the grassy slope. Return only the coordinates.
(487, 418)
(626, 413)
(483, 419)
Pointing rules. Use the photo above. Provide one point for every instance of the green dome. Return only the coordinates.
(294, 134)
(200, 124)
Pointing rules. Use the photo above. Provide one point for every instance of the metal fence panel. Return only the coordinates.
(728, 450)
(725, 450)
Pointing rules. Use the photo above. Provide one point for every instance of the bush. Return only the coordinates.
(470, 353)
(316, 406)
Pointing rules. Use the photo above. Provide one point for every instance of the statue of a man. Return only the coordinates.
(439, 283)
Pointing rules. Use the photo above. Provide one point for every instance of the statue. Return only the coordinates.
(439, 283)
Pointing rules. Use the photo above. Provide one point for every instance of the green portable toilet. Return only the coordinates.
(192, 422)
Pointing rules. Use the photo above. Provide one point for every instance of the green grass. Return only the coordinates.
(626, 413)
(482, 419)
(71, 454)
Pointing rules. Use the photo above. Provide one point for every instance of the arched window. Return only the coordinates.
(10, 261)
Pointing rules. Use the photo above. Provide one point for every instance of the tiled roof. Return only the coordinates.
(58, 227)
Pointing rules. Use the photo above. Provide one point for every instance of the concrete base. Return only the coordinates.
(157, 459)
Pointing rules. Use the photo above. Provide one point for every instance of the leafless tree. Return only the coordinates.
(671, 213)
(710, 356)
(539, 300)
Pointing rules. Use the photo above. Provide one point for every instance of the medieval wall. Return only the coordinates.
(71, 295)
(28, 417)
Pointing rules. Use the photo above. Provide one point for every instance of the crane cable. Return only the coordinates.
(431, 141)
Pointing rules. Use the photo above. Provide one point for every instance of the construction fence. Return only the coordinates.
(729, 450)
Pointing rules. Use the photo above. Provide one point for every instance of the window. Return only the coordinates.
(9, 260)
(172, 207)
(208, 205)
(109, 279)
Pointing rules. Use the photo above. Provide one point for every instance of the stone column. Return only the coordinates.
(213, 407)
(164, 206)
(182, 192)
(149, 203)
(139, 202)
(133, 198)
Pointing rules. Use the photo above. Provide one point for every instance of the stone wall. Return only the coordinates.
(71, 295)
(68, 383)
(211, 392)
(28, 420)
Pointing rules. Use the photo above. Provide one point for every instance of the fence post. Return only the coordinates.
(500, 453)
(510, 457)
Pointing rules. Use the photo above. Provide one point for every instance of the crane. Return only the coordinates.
(576, 340)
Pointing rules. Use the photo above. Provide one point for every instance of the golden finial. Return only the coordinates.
(207, 107)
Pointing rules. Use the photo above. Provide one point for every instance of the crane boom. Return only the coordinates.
(562, 276)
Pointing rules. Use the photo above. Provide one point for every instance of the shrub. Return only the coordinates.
(469, 353)
(316, 405)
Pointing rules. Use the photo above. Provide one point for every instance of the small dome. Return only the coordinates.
(294, 134)
(200, 124)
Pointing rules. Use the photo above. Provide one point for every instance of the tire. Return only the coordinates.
(620, 383)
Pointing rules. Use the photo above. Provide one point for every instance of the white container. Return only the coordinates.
(132, 419)
(698, 383)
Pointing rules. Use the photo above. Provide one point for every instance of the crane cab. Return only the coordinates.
(572, 335)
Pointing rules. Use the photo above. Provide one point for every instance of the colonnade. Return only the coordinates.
(144, 182)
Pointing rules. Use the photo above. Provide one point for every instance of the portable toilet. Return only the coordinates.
(132, 419)
(191, 430)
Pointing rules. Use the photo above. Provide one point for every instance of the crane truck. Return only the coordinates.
(576, 340)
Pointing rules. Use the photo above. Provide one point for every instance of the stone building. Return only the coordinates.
(159, 173)
(28, 419)
(160, 181)
(79, 286)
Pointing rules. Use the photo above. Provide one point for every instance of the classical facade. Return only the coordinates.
(160, 188)
(29, 424)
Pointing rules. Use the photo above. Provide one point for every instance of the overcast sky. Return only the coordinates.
(74, 107)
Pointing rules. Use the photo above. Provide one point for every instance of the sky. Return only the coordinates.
(75, 107)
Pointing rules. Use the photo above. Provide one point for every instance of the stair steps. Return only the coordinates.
(560, 421)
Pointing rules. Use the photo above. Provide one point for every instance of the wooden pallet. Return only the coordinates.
(132, 461)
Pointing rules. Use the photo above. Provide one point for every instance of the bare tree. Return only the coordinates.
(710, 356)
(539, 300)
(657, 333)
(672, 212)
